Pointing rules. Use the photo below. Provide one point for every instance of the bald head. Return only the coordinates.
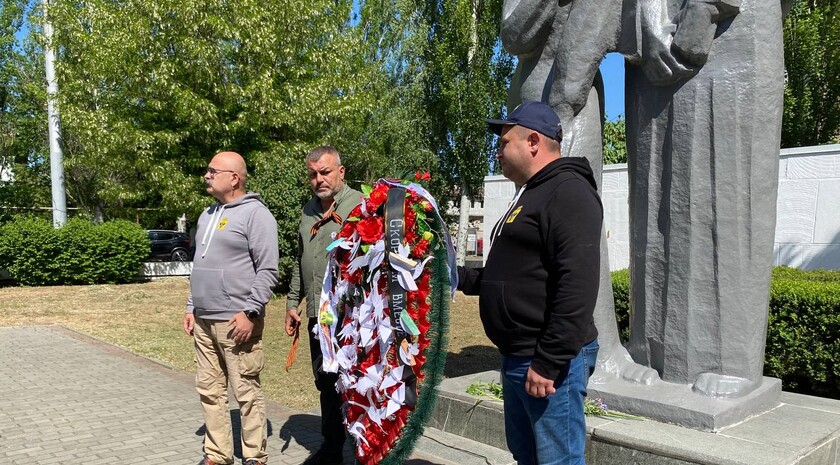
(231, 161)
(225, 177)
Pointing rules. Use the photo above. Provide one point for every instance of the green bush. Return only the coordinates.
(803, 331)
(822, 276)
(803, 336)
(28, 250)
(35, 253)
(621, 294)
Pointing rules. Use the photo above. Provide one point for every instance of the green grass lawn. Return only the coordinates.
(145, 318)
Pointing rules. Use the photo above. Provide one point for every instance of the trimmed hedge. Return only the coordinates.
(621, 295)
(36, 254)
(803, 336)
(803, 331)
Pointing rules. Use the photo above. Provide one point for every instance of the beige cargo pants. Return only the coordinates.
(219, 362)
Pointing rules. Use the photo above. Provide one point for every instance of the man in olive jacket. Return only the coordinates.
(322, 215)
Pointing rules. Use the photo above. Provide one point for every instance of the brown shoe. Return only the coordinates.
(206, 461)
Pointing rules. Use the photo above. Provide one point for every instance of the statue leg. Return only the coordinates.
(745, 165)
(703, 170)
(585, 140)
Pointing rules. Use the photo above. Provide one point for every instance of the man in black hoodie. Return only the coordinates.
(538, 288)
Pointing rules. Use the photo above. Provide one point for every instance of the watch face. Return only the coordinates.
(252, 314)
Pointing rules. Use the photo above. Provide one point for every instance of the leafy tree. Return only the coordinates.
(812, 66)
(24, 159)
(390, 137)
(615, 142)
(150, 89)
(467, 80)
(11, 15)
(382, 134)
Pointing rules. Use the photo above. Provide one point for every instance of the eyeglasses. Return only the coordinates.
(213, 171)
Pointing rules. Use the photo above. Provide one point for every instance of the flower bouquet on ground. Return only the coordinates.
(383, 316)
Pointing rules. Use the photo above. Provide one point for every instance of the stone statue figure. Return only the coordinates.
(559, 45)
(704, 112)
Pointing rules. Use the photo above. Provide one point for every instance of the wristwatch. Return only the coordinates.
(252, 314)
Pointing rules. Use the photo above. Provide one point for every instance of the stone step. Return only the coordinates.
(450, 449)
(480, 419)
(802, 430)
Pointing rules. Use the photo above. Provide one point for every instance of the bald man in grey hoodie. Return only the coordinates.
(234, 271)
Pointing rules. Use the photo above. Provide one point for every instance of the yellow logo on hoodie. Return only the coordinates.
(222, 223)
(513, 214)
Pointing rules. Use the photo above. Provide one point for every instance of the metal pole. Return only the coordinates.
(59, 199)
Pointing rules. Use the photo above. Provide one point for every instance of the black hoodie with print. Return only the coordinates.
(539, 284)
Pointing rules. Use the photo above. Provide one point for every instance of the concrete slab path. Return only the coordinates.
(66, 398)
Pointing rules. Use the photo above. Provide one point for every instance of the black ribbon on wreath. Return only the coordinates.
(397, 299)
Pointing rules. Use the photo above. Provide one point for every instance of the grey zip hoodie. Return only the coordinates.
(236, 257)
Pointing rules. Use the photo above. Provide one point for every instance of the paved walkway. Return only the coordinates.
(68, 399)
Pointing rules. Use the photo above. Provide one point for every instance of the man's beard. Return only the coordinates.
(326, 194)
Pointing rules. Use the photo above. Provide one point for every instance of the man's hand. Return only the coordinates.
(240, 328)
(538, 386)
(189, 323)
(292, 321)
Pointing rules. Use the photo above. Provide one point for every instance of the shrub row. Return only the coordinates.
(803, 331)
(34, 253)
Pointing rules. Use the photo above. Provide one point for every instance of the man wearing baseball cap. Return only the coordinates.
(538, 288)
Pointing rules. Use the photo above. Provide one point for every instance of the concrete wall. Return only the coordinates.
(808, 209)
(808, 218)
(160, 269)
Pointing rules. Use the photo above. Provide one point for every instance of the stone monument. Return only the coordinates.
(704, 102)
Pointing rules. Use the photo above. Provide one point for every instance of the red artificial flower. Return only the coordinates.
(370, 229)
(421, 248)
(410, 236)
(378, 196)
(356, 212)
(422, 176)
(410, 220)
(347, 229)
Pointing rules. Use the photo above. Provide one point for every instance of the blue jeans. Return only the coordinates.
(550, 430)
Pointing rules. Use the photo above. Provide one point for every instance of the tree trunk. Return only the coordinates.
(463, 223)
(59, 196)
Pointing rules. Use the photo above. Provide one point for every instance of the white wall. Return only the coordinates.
(808, 215)
(159, 269)
(808, 209)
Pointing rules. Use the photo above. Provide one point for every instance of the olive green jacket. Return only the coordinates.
(308, 273)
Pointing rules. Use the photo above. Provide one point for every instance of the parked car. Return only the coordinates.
(170, 245)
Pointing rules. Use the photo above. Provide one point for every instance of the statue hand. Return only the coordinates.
(659, 63)
(697, 24)
(695, 32)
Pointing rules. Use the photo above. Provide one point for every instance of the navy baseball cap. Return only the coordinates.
(532, 115)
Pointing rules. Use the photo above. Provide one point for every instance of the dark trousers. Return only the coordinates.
(332, 421)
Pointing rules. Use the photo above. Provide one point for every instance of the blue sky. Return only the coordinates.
(612, 70)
